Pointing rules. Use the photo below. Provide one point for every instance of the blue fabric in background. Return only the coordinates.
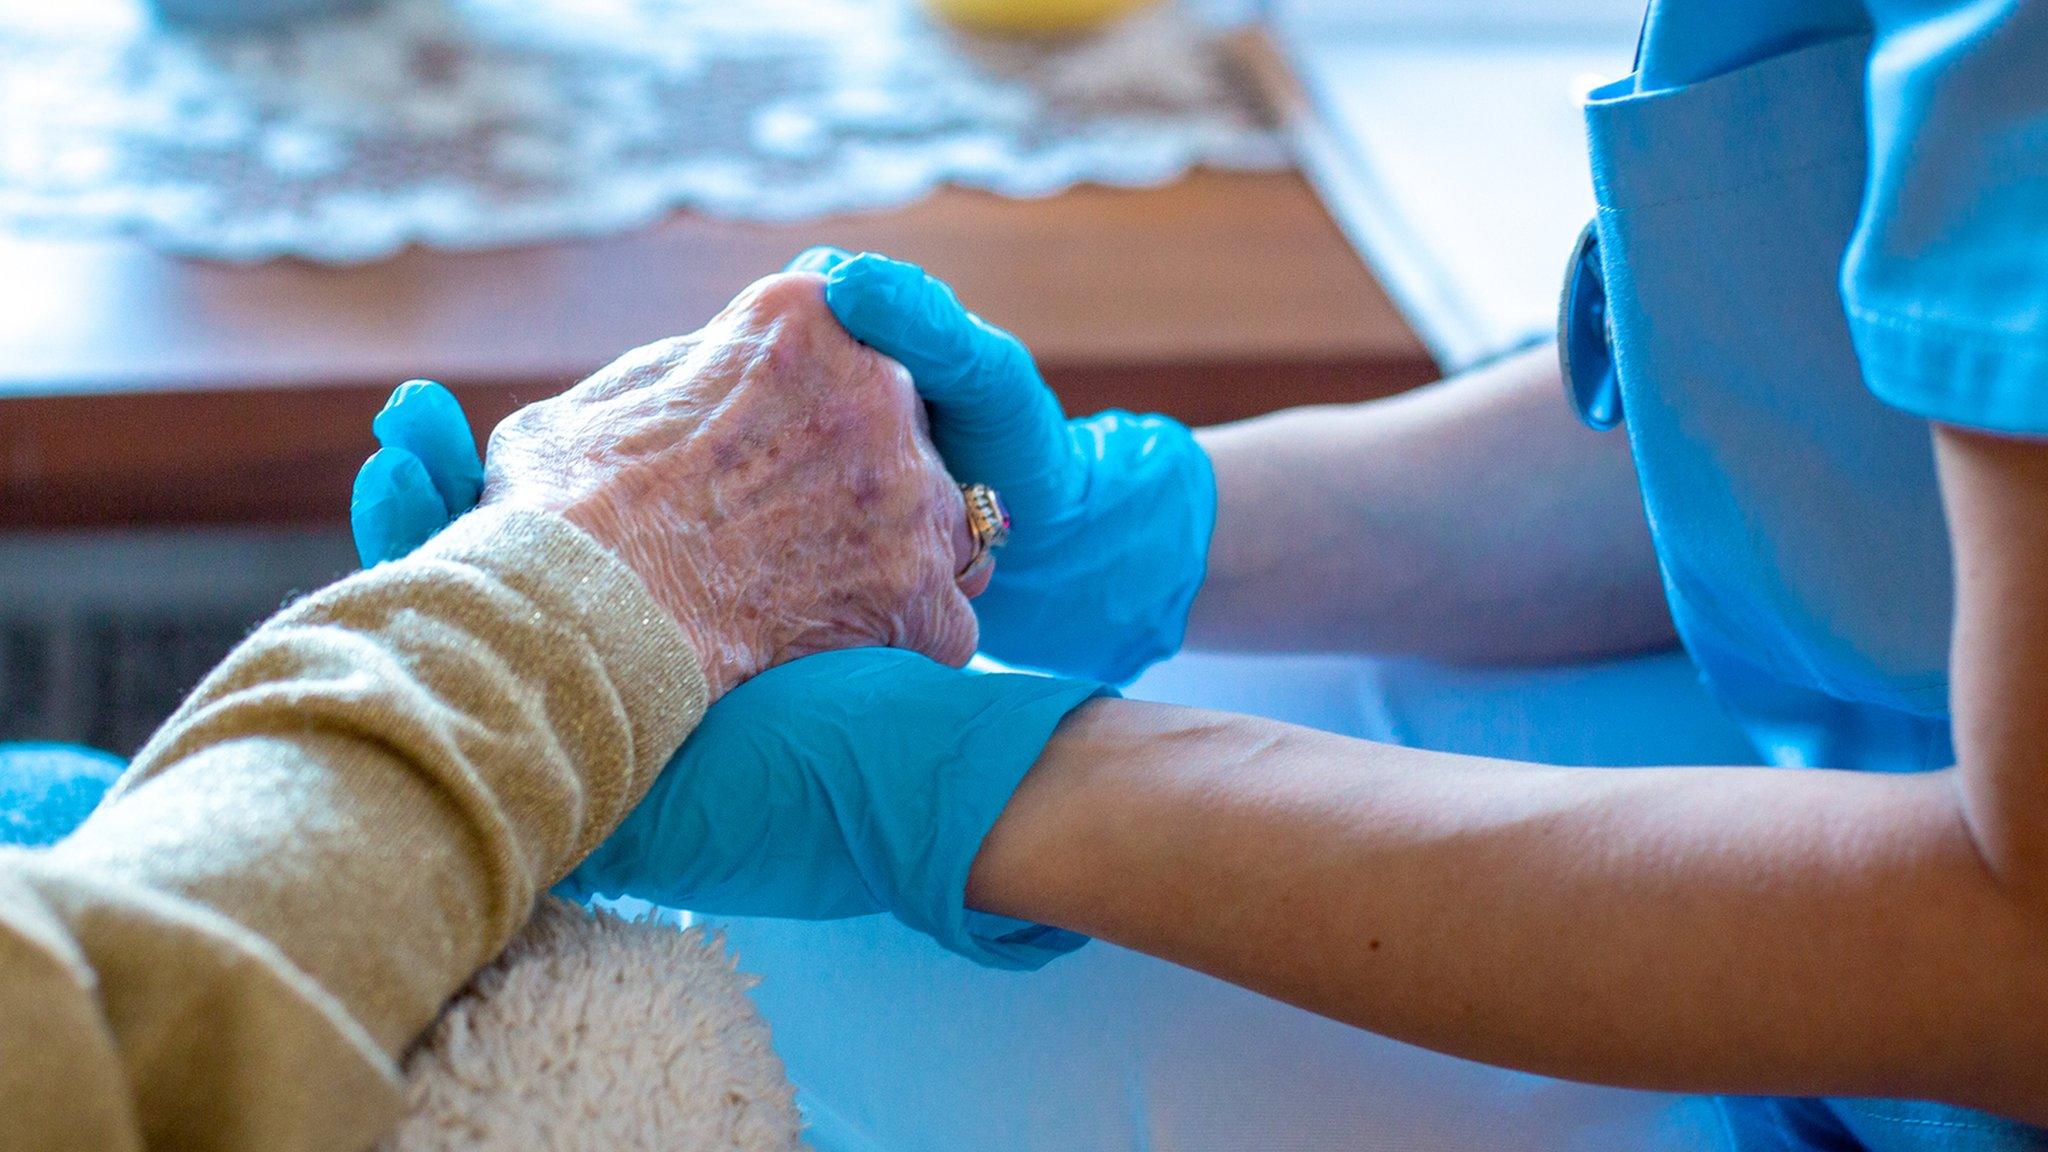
(46, 790)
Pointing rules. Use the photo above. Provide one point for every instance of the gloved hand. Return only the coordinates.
(1111, 514)
(426, 473)
(836, 785)
(844, 784)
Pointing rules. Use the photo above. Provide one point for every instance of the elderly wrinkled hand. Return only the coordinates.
(1113, 512)
(767, 477)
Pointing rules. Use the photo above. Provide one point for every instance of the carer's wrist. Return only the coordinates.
(1038, 849)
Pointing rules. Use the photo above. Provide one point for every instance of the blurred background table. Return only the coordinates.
(138, 388)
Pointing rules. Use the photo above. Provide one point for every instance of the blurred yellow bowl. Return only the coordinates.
(1034, 17)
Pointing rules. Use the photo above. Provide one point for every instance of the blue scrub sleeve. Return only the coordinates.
(1946, 278)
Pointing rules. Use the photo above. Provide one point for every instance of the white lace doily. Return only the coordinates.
(467, 123)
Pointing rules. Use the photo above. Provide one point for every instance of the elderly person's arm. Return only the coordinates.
(353, 813)
(359, 807)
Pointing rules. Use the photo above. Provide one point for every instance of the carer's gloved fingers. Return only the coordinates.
(993, 419)
(394, 508)
(426, 420)
(819, 258)
(963, 365)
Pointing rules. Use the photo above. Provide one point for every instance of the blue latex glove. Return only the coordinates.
(1112, 514)
(838, 785)
(426, 474)
(844, 784)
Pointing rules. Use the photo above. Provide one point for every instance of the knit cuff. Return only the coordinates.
(576, 582)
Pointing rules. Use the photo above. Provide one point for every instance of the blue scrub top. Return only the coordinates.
(1823, 223)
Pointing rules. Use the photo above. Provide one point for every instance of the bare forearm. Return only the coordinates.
(1723, 929)
(1475, 520)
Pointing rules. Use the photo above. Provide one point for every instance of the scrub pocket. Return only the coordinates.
(1797, 518)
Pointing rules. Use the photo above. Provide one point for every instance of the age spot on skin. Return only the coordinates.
(866, 488)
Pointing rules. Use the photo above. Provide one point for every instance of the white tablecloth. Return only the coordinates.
(466, 123)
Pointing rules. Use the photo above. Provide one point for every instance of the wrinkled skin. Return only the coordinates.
(768, 478)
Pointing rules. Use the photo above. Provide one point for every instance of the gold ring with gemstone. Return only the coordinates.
(988, 522)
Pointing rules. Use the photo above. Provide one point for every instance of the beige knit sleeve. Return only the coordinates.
(349, 817)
